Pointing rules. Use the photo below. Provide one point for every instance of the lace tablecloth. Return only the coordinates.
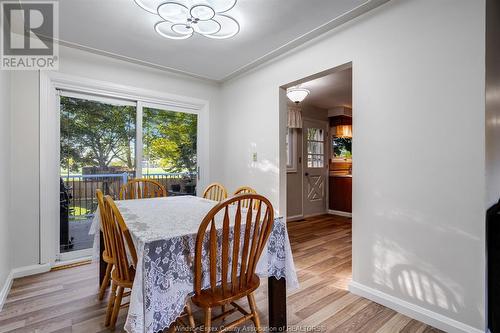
(164, 233)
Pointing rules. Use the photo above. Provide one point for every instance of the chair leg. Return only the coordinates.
(253, 308)
(111, 304)
(190, 315)
(223, 309)
(208, 319)
(105, 281)
(116, 308)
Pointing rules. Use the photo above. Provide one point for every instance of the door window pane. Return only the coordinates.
(315, 134)
(97, 151)
(315, 148)
(169, 149)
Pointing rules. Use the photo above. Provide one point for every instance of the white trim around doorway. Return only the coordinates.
(50, 83)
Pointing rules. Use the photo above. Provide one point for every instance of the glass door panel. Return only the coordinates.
(170, 149)
(97, 151)
(315, 148)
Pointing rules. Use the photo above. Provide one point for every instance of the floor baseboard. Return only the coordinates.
(30, 270)
(411, 310)
(339, 213)
(314, 215)
(18, 273)
(295, 218)
(5, 289)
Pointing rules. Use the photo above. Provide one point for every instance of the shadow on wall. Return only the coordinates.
(420, 277)
(423, 289)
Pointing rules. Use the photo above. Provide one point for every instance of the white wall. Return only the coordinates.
(25, 127)
(5, 250)
(24, 177)
(419, 194)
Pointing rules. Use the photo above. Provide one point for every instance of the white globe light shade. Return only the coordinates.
(297, 95)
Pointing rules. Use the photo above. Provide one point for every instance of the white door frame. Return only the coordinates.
(50, 83)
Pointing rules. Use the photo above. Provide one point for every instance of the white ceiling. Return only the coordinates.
(268, 28)
(330, 91)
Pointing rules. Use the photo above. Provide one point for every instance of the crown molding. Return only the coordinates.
(292, 45)
(305, 38)
(136, 61)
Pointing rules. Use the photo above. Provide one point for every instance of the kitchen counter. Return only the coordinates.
(334, 174)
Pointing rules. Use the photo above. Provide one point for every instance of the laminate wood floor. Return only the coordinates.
(66, 300)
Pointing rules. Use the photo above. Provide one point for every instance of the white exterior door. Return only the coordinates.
(315, 167)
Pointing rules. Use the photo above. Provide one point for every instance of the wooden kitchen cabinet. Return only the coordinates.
(340, 193)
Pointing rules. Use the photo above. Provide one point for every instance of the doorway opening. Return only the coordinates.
(319, 174)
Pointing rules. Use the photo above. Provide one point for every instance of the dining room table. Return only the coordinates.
(164, 233)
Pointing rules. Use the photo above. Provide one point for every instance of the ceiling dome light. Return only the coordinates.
(207, 27)
(181, 18)
(202, 12)
(229, 27)
(165, 29)
(173, 12)
(182, 29)
(297, 95)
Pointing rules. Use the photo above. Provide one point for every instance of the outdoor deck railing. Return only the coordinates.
(81, 188)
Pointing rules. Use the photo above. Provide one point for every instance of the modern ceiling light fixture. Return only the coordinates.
(296, 94)
(182, 18)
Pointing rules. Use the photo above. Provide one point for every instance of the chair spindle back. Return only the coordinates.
(142, 188)
(257, 226)
(215, 192)
(105, 225)
(245, 190)
(120, 236)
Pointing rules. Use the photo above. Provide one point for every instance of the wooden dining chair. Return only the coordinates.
(141, 188)
(251, 232)
(106, 254)
(122, 277)
(245, 190)
(216, 192)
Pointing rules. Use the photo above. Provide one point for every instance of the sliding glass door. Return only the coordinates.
(170, 149)
(100, 141)
(97, 151)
